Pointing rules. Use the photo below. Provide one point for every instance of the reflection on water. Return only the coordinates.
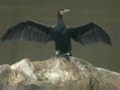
(104, 12)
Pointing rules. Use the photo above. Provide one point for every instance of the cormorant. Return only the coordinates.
(60, 34)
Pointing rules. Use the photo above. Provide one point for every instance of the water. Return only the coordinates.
(104, 12)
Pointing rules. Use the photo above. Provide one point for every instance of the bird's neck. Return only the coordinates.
(60, 20)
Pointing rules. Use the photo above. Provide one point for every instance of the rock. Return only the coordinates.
(57, 74)
(4, 75)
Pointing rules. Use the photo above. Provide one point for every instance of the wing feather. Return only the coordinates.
(30, 31)
(89, 33)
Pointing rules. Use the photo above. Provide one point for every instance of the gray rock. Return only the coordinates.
(57, 74)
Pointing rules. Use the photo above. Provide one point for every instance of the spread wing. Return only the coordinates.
(30, 31)
(89, 33)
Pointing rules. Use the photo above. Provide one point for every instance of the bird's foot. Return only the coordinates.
(65, 55)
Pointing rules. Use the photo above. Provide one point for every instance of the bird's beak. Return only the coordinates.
(64, 11)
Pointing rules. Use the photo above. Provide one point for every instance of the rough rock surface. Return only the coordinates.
(57, 74)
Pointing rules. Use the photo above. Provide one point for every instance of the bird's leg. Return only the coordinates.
(57, 53)
(69, 53)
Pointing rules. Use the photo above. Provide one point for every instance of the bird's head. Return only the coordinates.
(62, 11)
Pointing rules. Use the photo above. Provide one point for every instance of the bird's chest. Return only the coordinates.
(60, 34)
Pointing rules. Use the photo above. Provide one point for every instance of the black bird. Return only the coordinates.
(60, 34)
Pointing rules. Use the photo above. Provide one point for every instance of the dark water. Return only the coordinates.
(104, 12)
